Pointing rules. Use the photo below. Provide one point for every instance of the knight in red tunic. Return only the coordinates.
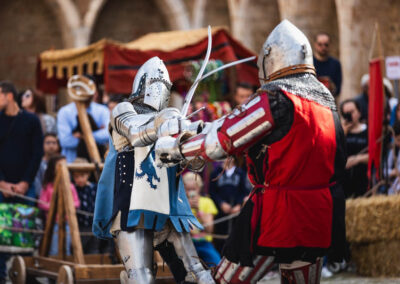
(295, 149)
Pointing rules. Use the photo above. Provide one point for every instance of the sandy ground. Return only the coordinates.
(345, 278)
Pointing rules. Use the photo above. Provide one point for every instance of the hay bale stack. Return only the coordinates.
(378, 258)
(373, 229)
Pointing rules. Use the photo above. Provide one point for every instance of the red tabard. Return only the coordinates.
(295, 208)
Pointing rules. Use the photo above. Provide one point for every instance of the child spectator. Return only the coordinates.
(51, 147)
(204, 209)
(46, 195)
(87, 196)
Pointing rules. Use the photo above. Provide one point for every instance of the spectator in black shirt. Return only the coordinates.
(356, 181)
(329, 70)
(21, 150)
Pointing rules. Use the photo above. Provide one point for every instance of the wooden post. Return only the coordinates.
(51, 217)
(87, 133)
(65, 190)
(61, 222)
(84, 167)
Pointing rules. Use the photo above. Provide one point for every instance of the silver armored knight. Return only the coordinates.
(291, 134)
(149, 202)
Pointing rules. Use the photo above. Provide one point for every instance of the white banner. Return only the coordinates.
(393, 67)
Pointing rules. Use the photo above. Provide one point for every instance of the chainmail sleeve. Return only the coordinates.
(282, 111)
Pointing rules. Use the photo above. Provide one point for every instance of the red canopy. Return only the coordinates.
(121, 62)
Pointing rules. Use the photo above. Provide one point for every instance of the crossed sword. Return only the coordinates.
(200, 76)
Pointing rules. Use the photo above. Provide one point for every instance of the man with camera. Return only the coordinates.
(356, 132)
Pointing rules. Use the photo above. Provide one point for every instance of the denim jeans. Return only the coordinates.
(207, 252)
(54, 241)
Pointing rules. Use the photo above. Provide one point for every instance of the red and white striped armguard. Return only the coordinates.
(232, 133)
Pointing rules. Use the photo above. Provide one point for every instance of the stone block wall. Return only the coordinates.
(30, 27)
(27, 28)
(126, 20)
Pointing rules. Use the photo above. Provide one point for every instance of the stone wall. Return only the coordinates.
(312, 17)
(357, 19)
(27, 28)
(216, 14)
(262, 16)
(126, 20)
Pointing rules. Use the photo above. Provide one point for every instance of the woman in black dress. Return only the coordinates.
(356, 180)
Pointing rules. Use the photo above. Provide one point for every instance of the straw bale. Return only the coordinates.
(377, 259)
(373, 219)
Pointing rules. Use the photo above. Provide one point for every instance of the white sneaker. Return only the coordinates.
(325, 273)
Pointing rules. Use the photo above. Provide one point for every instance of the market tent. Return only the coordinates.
(118, 62)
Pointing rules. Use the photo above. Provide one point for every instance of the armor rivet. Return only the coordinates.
(123, 181)
(267, 50)
(124, 166)
(130, 184)
(304, 50)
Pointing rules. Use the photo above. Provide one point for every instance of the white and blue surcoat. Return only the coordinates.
(144, 194)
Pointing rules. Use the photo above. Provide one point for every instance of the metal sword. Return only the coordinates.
(233, 63)
(192, 89)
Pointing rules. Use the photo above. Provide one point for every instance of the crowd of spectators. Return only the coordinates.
(33, 142)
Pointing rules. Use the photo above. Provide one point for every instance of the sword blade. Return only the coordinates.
(189, 95)
(233, 63)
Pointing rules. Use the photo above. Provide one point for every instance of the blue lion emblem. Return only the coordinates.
(147, 167)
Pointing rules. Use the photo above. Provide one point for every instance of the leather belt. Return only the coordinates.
(295, 69)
